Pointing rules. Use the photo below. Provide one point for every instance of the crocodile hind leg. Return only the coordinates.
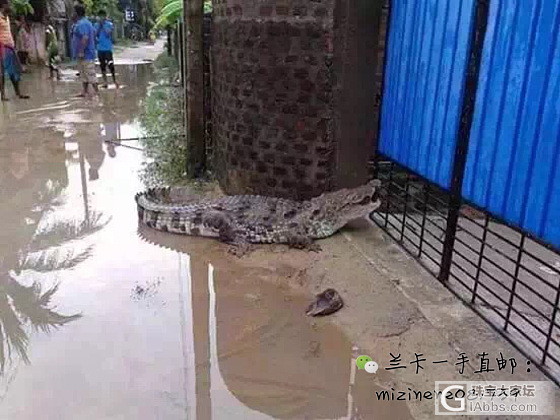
(240, 248)
(227, 232)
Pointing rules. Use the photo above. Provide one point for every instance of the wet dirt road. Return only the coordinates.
(101, 319)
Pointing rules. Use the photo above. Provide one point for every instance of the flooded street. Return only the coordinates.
(101, 319)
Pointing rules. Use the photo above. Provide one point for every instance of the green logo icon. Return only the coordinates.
(361, 361)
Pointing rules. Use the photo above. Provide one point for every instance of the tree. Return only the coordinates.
(172, 10)
(93, 7)
(22, 7)
(40, 9)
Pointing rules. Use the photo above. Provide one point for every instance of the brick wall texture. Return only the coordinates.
(272, 96)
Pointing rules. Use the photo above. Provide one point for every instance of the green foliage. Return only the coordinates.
(155, 7)
(88, 4)
(93, 7)
(162, 121)
(170, 13)
(110, 6)
(22, 7)
(172, 10)
(165, 65)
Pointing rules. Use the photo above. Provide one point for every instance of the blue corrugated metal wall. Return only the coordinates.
(425, 70)
(514, 151)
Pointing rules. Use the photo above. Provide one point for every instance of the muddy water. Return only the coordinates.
(102, 320)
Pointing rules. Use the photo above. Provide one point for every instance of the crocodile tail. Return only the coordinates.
(152, 207)
(151, 200)
(139, 208)
(148, 206)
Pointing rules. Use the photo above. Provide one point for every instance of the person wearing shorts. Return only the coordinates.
(84, 50)
(104, 36)
(9, 61)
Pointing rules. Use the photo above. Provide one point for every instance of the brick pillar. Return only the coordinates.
(272, 96)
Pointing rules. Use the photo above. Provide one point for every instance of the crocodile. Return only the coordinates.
(254, 219)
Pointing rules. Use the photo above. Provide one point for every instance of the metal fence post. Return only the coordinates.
(478, 33)
(389, 7)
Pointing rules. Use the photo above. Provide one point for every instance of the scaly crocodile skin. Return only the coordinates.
(256, 219)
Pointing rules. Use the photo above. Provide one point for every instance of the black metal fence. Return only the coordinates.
(508, 277)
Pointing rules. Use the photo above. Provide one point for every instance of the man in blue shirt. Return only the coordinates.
(83, 41)
(104, 32)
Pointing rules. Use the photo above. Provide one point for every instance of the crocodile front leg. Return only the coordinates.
(297, 237)
(299, 241)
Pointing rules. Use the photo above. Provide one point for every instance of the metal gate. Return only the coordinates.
(469, 153)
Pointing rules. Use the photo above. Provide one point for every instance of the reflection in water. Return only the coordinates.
(59, 232)
(256, 354)
(268, 360)
(111, 134)
(217, 384)
(110, 130)
(33, 179)
(42, 228)
(92, 150)
(22, 307)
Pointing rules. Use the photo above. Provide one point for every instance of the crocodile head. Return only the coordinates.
(339, 207)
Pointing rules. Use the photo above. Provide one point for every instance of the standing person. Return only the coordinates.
(8, 56)
(104, 31)
(23, 42)
(83, 41)
(52, 48)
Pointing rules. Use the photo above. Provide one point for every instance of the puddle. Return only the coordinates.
(145, 291)
(262, 350)
(100, 319)
(267, 357)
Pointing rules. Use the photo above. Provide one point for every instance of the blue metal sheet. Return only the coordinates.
(426, 64)
(513, 158)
